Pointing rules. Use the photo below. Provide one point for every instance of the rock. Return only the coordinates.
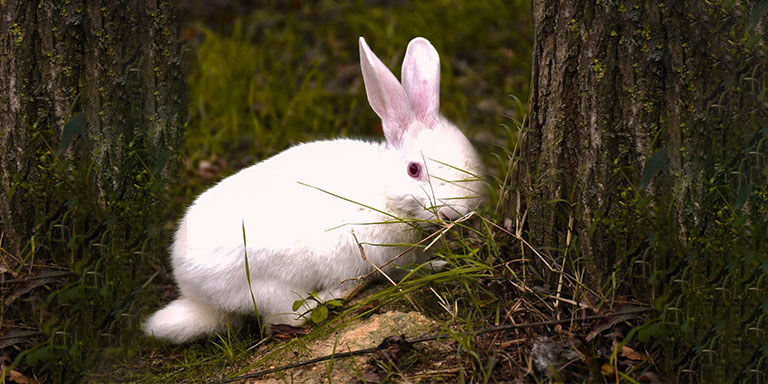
(375, 329)
(362, 334)
(548, 353)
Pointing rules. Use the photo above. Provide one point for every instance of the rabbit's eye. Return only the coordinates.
(414, 170)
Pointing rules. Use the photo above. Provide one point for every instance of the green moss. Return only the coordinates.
(649, 106)
(598, 69)
(16, 32)
(707, 278)
(573, 25)
(645, 36)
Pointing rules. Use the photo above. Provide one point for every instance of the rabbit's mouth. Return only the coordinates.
(452, 212)
(435, 210)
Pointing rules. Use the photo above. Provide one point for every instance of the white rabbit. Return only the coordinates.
(298, 210)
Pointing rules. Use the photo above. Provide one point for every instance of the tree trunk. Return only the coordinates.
(96, 84)
(614, 83)
(645, 166)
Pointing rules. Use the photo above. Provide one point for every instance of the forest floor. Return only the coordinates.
(263, 79)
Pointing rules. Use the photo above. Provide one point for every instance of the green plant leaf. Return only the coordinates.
(653, 165)
(297, 304)
(739, 222)
(743, 195)
(72, 129)
(319, 314)
(752, 41)
(161, 161)
(334, 303)
(758, 11)
(36, 356)
(654, 330)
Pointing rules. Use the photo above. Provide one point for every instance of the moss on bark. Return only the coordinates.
(643, 157)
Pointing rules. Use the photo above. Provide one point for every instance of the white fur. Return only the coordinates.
(300, 208)
(173, 321)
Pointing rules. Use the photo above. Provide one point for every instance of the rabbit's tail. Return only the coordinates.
(184, 320)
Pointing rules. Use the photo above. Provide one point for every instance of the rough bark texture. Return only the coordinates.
(613, 83)
(646, 161)
(118, 63)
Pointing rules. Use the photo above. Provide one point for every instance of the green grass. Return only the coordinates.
(276, 78)
(279, 76)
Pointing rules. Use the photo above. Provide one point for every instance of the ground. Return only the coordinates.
(261, 79)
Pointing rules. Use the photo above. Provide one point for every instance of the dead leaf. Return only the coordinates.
(630, 353)
(286, 332)
(18, 377)
(607, 370)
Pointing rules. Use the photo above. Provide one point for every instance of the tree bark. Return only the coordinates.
(646, 159)
(113, 70)
(614, 83)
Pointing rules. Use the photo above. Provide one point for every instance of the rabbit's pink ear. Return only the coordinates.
(421, 79)
(386, 96)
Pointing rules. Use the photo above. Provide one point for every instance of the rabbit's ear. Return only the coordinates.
(421, 79)
(386, 96)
